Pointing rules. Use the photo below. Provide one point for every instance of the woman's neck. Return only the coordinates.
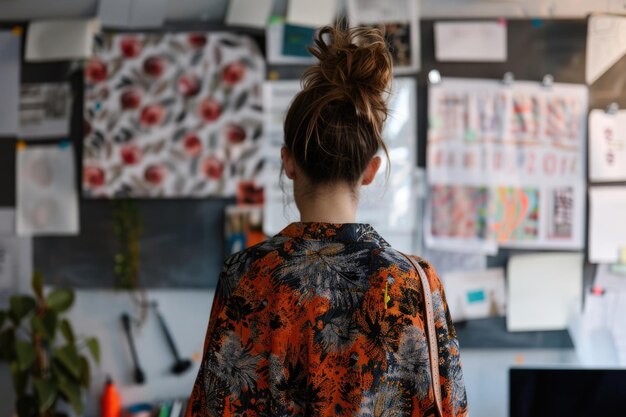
(328, 204)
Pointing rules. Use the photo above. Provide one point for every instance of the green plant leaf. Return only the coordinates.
(37, 284)
(46, 325)
(94, 348)
(19, 377)
(20, 306)
(85, 372)
(25, 353)
(67, 332)
(60, 299)
(71, 390)
(68, 357)
(46, 392)
(7, 344)
(26, 406)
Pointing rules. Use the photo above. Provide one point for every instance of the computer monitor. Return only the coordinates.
(567, 392)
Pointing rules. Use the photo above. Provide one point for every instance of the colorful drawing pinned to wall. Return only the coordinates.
(172, 115)
(527, 113)
(515, 214)
(459, 211)
(564, 119)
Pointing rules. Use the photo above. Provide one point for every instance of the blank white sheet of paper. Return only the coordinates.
(606, 44)
(544, 291)
(607, 146)
(471, 41)
(250, 13)
(47, 202)
(607, 223)
(55, 40)
(311, 13)
(10, 47)
(475, 295)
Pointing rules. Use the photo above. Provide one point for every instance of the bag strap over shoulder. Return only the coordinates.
(430, 333)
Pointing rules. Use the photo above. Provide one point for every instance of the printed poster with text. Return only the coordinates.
(506, 165)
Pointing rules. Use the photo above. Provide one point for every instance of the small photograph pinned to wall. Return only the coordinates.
(243, 227)
(475, 295)
(45, 110)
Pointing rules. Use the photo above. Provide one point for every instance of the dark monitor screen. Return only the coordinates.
(567, 392)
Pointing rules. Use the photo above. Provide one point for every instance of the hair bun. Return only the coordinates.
(354, 66)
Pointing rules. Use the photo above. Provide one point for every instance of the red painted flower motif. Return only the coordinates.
(96, 71)
(233, 73)
(212, 168)
(235, 134)
(130, 46)
(188, 85)
(197, 40)
(152, 115)
(154, 66)
(93, 176)
(130, 154)
(210, 110)
(130, 99)
(154, 174)
(192, 144)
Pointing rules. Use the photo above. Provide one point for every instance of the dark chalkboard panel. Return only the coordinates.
(181, 246)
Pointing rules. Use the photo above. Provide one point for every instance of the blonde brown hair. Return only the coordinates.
(334, 125)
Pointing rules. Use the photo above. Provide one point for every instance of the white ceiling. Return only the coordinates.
(213, 10)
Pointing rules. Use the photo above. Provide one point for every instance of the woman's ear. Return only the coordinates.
(288, 163)
(371, 170)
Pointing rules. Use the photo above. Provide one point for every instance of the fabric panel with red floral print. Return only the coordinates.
(172, 115)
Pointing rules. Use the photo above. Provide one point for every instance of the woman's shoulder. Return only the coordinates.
(388, 257)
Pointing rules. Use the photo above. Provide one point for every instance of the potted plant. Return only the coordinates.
(46, 359)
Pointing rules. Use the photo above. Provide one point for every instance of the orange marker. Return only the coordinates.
(111, 401)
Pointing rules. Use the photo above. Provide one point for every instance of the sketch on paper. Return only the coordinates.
(459, 211)
(522, 142)
(45, 110)
(172, 115)
(515, 214)
(561, 215)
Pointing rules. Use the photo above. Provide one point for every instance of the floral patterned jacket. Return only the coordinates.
(299, 327)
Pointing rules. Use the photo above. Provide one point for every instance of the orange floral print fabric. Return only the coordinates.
(300, 326)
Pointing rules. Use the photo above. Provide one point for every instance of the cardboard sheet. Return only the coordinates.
(10, 64)
(471, 41)
(47, 201)
(607, 224)
(544, 291)
(57, 40)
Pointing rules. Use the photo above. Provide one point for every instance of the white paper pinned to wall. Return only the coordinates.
(607, 146)
(55, 40)
(544, 291)
(45, 110)
(47, 202)
(471, 41)
(311, 13)
(475, 295)
(607, 224)
(251, 13)
(606, 45)
(10, 47)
